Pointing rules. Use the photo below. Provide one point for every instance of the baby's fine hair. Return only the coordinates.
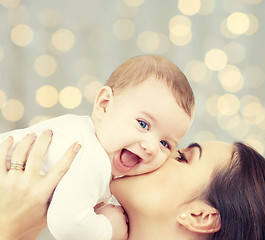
(137, 69)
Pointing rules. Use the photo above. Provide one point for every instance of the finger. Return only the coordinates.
(4, 148)
(21, 151)
(58, 171)
(37, 152)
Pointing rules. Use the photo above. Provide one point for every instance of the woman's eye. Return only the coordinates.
(143, 124)
(181, 157)
(165, 144)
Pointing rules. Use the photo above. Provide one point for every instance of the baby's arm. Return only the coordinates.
(118, 219)
(71, 213)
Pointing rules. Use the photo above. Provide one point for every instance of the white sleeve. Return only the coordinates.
(71, 213)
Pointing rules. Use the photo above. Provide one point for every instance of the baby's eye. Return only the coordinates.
(181, 157)
(143, 124)
(165, 144)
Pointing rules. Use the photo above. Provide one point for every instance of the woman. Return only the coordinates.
(209, 191)
(25, 193)
(212, 190)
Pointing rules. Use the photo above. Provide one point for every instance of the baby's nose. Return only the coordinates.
(149, 147)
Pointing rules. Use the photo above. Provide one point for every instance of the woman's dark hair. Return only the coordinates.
(238, 193)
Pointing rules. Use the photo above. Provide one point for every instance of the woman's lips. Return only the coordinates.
(126, 161)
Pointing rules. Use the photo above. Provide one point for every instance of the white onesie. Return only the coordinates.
(71, 214)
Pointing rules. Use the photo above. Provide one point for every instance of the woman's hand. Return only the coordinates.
(25, 193)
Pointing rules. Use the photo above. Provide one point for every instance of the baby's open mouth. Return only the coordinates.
(129, 159)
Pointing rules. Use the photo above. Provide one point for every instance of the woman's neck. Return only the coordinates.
(146, 229)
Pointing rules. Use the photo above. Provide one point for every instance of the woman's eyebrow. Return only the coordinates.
(197, 145)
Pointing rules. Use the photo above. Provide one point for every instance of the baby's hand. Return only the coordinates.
(118, 220)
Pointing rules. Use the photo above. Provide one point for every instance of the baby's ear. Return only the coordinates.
(200, 217)
(102, 102)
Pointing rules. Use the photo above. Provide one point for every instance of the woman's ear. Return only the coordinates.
(103, 100)
(200, 217)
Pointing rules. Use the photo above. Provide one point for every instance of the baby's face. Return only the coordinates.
(141, 127)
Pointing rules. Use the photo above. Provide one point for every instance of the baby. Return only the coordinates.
(139, 117)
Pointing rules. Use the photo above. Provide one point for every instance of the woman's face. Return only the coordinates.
(177, 182)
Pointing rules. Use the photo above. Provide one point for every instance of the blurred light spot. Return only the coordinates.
(45, 65)
(262, 125)
(148, 42)
(70, 97)
(178, 40)
(228, 122)
(253, 113)
(254, 25)
(203, 136)
(134, 3)
(253, 101)
(18, 15)
(2, 98)
(38, 119)
(84, 80)
(47, 96)
(180, 30)
(91, 90)
(228, 104)
(254, 76)
(13, 110)
(255, 142)
(126, 11)
(226, 32)
(238, 23)
(197, 71)
(215, 59)
(179, 19)
(123, 29)
(63, 40)
(253, 1)
(189, 7)
(50, 17)
(207, 7)
(22, 35)
(9, 3)
(1, 54)
(235, 52)
(211, 105)
(241, 131)
(248, 99)
(231, 78)
(85, 66)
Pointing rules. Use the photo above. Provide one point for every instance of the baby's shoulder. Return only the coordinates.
(66, 123)
(74, 122)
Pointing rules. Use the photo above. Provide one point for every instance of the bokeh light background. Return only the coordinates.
(55, 55)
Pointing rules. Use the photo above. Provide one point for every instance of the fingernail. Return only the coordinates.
(33, 134)
(9, 139)
(77, 147)
(48, 132)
